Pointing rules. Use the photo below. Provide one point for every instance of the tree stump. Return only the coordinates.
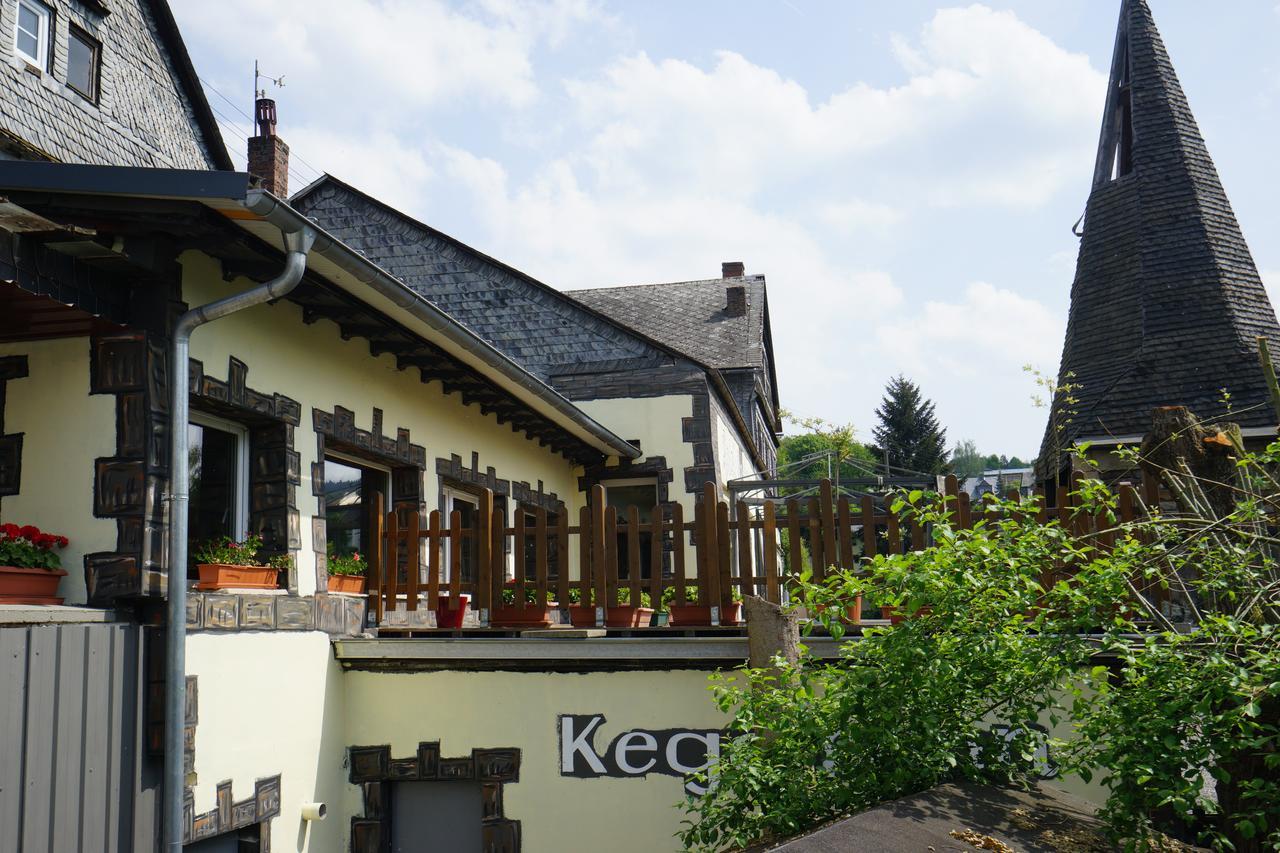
(1179, 446)
(770, 631)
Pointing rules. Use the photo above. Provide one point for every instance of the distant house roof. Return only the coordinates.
(691, 317)
(1167, 304)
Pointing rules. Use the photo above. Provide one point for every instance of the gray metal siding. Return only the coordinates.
(69, 740)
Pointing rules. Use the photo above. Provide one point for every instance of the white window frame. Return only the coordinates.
(43, 37)
(452, 494)
(240, 507)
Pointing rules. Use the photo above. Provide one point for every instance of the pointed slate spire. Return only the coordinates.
(1167, 305)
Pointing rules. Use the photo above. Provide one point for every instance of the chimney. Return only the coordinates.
(735, 304)
(268, 153)
(733, 269)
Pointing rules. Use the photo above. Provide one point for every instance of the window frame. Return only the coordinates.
(95, 62)
(240, 507)
(44, 38)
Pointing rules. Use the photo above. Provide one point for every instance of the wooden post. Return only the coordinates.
(433, 562)
(585, 538)
(795, 546)
(817, 560)
(413, 545)
(746, 565)
(455, 560)
(709, 547)
(481, 540)
(724, 565)
(392, 562)
(633, 555)
(540, 556)
(562, 556)
(770, 533)
(678, 539)
(519, 548)
(868, 527)
(655, 557)
(599, 551)
(845, 531)
(830, 556)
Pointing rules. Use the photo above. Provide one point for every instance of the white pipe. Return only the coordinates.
(297, 243)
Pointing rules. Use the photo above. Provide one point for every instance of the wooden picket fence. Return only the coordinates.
(733, 553)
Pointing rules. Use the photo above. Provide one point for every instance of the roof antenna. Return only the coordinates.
(265, 124)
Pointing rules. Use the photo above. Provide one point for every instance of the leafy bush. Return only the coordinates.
(28, 547)
(993, 635)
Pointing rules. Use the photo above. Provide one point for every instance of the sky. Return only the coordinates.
(905, 173)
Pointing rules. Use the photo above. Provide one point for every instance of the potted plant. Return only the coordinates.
(620, 615)
(691, 613)
(30, 568)
(227, 564)
(346, 571)
(534, 614)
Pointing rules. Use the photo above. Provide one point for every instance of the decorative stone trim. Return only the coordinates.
(337, 430)
(337, 615)
(11, 367)
(227, 815)
(453, 470)
(696, 430)
(652, 466)
(373, 768)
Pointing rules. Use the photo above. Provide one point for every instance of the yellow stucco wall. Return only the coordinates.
(272, 703)
(511, 709)
(64, 429)
(313, 365)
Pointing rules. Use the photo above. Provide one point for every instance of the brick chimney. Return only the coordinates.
(268, 153)
(733, 269)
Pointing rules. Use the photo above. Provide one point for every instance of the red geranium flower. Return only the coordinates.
(11, 530)
(62, 541)
(29, 531)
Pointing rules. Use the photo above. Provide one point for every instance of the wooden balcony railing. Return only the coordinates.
(732, 553)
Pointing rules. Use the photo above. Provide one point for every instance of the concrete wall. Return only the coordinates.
(272, 703)
(313, 365)
(64, 430)
(510, 709)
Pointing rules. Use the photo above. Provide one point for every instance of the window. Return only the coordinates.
(82, 63)
(468, 509)
(218, 479)
(530, 561)
(31, 33)
(643, 495)
(351, 489)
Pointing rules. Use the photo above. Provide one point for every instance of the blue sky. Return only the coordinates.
(905, 173)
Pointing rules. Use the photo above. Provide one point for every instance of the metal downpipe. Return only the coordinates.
(297, 243)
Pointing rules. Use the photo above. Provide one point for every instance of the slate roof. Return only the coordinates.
(690, 316)
(1167, 305)
(538, 326)
(151, 110)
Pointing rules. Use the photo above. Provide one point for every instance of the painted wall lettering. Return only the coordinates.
(634, 753)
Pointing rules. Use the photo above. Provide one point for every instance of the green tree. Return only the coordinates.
(966, 461)
(909, 432)
(820, 436)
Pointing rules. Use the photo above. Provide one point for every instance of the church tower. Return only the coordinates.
(1167, 305)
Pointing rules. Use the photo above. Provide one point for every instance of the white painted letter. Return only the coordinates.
(579, 744)
(647, 742)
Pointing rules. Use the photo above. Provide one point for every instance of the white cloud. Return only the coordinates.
(858, 214)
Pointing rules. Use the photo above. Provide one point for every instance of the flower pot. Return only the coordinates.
(895, 616)
(30, 586)
(582, 615)
(347, 583)
(684, 615)
(626, 616)
(451, 618)
(852, 614)
(223, 576)
(529, 616)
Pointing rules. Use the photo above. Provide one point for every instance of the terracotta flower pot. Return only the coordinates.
(346, 583)
(447, 618)
(852, 614)
(30, 586)
(529, 616)
(685, 615)
(223, 576)
(618, 616)
(895, 616)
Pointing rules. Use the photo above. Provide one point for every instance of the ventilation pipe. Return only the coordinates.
(297, 244)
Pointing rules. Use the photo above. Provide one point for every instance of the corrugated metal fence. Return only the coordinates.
(73, 771)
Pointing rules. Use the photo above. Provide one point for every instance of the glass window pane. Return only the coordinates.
(643, 497)
(469, 513)
(28, 19)
(343, 507)
(212, 479)
(27, 44)
(81, 56)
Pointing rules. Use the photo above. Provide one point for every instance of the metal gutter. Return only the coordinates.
(280, 214)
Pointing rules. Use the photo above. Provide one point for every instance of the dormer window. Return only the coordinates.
(82, 63)
(31, 33)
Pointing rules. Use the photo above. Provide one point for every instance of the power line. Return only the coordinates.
(235, 107)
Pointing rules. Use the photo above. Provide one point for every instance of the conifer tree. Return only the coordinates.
(908, 430)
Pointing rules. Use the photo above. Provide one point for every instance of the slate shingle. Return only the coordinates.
(1167, 305)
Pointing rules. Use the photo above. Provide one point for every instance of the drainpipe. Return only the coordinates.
(297, 243)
